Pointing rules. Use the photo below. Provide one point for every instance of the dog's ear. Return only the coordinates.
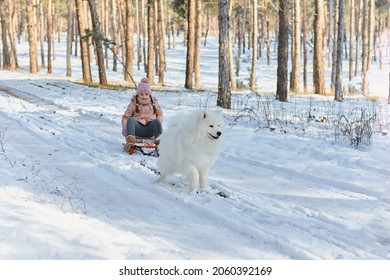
(204, 115)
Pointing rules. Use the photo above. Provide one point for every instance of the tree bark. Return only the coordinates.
(304, 45)
(233, 85)
(268, 31)
(129, 43)
(351, 37)
(224, 91)
(339, 56)
(365, 48)
(296, 55)
(190, 44)
(97, 38)
(12, 35)
(198, 39)
(144, 25)
(150, 68)
(31, 6)
(138, 24)
(318, 59)
(254, 48)
(334, 44)
(41, 34)
(85, 63)
(282, 71)
(115, 31)
(69, 39)
(161, 31)
(4, 32)
(49, 33)
(371, 24)
(358, 30)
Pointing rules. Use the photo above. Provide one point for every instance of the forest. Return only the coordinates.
(133, 36)
(303, 173)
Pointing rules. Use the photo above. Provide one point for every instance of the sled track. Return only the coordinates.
(306, 182)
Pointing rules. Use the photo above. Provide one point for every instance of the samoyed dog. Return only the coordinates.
(191, 145)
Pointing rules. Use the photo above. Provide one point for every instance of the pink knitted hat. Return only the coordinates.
(144, 86)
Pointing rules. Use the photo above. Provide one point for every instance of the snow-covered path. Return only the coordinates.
(288, 197)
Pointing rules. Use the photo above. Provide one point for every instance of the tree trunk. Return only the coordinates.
(318, 59)
(233, 85)
(365, 47)
(49, 33)
(351, 36)
(304, 46)
(115, 30)
(296, 55)
(339, 58)
(76, 36)
(31, 7)
(129, 43)
(371, 25)
(4, 31)
(157, 40)
(69, 39)
(85, 63)
(144, 31)
(357, 35)
(198, 39)
(161, 32)
(239, 40)
(138, 24)
(224, 92)
(150, 68)
(282, 71)
(97, 35)
(105, 29)
(41, 33)
(254, 49)
(190, 44)
(334, 45)
(330, 31)
(169, 27)
(268, 31)
(12, 34)
(121, 32)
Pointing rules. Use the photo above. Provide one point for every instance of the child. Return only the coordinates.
(143, 116)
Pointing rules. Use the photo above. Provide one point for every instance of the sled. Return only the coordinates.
(146, 146)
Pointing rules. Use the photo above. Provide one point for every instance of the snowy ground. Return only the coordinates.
(294, 190)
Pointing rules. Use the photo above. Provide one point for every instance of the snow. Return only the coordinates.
(294, 190)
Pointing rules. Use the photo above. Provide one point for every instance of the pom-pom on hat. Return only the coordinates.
(144, 86)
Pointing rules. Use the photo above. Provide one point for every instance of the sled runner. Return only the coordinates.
(146, 146)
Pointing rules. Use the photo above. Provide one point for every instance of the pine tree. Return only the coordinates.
(224, 91)
(339, 56)
(282, 71)
(85, 63)
(31, 6)
(190, 44)
(318, 59)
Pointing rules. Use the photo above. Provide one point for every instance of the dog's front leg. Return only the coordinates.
(192, 175)
(203, 173)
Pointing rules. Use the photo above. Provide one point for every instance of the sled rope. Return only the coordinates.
(140, 148)
(154, 170)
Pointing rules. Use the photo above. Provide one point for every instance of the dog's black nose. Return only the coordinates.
(219, 133)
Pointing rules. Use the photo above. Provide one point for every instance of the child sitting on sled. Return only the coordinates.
(143, 116)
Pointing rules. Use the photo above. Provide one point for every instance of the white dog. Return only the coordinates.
(191, 145)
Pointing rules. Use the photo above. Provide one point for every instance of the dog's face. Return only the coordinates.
(213, 124)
